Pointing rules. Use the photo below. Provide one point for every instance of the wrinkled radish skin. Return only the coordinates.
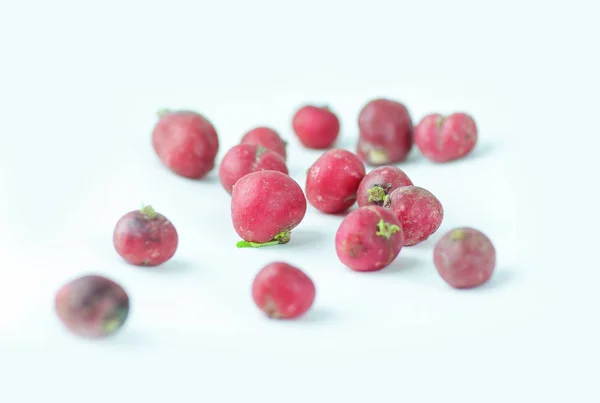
(444, 139)
(418, 210)
(369, 239)
(465, 258)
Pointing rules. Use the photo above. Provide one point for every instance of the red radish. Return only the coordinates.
(265, 207)
(266, 137)
(145, 237)
(92, 306)
(369, 239)
(386, 131)
(465, 258)
(185, 142)
(444, 139)
(247, 158)
(332, 181)
(379, 183)
(316, 127)
(418, 210)
(283, 291)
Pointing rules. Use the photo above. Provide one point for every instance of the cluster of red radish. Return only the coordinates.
(267, 204)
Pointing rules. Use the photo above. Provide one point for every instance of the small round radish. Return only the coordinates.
(283, 291)
(186, 143)
(369, 239)
(316, 127)
(247, 158)
(265, 207)
(145, 237)
(444, 139)
(465, 258)
(266, 137)
(332, 181)
(92, 306)
(418, 210)
(379, 183)
(386, 129)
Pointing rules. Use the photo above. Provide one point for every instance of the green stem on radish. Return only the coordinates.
(386, 230)
(281, 238)
(377, 194)
(148, 212)
(246, 244)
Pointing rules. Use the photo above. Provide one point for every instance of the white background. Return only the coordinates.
(80, 83)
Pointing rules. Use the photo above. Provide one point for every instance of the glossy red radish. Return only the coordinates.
(316, 127)
(265, 207)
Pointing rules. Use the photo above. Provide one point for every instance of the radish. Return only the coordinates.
(92, 306)
(465, 258)
(145, 237)
(266, 137)
(369, 239)
(186, 142)
(265, 207)
(379, 183)
(385, 132)
(316, 127)
(243, 159)
(418, 210)
(332, 181)
(283, 291)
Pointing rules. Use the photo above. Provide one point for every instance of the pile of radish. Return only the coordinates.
(267, 205)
